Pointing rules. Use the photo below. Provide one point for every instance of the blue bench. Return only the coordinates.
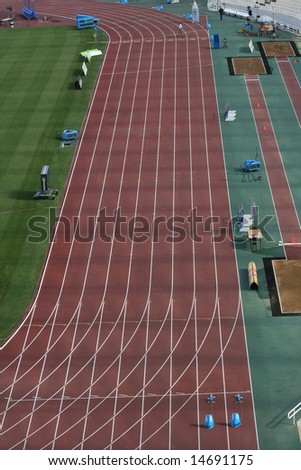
(29, 14)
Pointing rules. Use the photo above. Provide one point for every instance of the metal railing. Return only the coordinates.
(291, 414)
(282, 21)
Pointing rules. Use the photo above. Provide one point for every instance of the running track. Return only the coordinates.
(125, 340)
(284, 204)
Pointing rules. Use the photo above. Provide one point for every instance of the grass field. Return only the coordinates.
(38, 69)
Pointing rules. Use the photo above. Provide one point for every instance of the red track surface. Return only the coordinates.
(125, 340)
(292, 84)
(283, 200)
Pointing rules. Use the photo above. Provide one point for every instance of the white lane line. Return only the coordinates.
(66, 378)
(11, 387)
(147, 348)
(144, 396)
(90, 396)
(193, 247)
(39, 381)
(118, 376)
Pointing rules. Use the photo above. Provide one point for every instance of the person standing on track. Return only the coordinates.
(180, 30)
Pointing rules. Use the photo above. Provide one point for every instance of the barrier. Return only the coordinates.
(291, 414)
(29, 14)
(253, 278)
(236, 13)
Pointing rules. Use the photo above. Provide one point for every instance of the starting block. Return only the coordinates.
(238, 398)
(211, 398)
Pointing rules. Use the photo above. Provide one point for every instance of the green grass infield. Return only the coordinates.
(39, 67)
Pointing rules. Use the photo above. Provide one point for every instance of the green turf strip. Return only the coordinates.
(38, 69)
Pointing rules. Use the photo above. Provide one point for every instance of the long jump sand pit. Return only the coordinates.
(279, 49)
(247, 66)
(287, 275)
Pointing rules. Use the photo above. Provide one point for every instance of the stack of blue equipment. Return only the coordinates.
(29, 14)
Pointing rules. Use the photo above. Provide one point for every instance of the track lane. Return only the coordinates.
(291, 83)
(285, 208)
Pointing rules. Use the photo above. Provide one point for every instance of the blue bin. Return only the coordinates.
(235, 420)
(208, 422)
(215, 41)
(69, 134)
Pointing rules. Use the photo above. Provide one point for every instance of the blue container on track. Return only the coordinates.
(235, 420)
(208, 422)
